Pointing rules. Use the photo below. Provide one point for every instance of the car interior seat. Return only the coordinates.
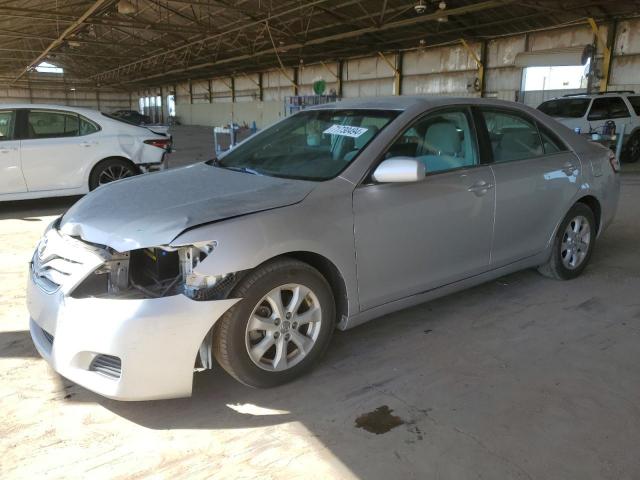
(442, 147)
(517, 143)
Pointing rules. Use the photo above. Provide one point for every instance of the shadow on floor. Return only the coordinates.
(17, 344)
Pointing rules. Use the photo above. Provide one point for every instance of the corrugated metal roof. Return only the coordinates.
(130, 43)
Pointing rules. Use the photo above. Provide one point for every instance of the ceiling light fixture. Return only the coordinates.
(125, 7)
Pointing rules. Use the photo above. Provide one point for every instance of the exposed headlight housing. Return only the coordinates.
(156, 272)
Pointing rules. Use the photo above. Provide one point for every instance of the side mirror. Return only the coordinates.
(399, 169)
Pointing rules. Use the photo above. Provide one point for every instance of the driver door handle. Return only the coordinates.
(8, 149)
(480, 188)
(88, 144)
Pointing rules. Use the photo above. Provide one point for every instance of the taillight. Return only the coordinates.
(614, 162)
(163, 143)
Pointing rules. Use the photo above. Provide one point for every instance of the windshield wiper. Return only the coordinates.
(216, 163)
(242, 169)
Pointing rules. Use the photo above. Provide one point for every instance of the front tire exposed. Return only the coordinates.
(573, 244)
(280, 328)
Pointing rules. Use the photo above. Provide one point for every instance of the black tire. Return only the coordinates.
(556, 267)
(632, 149)
(100, 173)
(231, 338)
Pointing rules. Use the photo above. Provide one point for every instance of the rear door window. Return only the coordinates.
(6, 124)
(513, 137)
(52, 124)
(607, 108)
(566, 107)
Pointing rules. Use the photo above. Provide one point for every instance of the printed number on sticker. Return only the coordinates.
(345, 130)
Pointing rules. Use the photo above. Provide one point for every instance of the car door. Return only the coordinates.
(536, 178)
(11, 178)
(413, 237)
(54, 155)
(607, 108)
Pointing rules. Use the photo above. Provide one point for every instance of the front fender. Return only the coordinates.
(324, 228)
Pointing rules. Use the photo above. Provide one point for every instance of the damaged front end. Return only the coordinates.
(154, 273)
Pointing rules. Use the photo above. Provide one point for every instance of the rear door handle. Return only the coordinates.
(88, 144)
(480, 188)
(569, 169)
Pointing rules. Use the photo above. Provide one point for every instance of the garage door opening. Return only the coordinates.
(571, 77)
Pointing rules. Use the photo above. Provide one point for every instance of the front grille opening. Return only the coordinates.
(107, 365)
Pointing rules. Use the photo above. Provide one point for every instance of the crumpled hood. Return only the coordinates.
(151, 210)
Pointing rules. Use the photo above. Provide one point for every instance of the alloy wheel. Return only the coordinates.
(575, 242)
(113, 173)
(283, 327)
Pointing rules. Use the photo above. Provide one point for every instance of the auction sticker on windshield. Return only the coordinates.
(345, 130)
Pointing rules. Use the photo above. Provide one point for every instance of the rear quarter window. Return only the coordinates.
(566, 107)
(606, 108)
(635, 103)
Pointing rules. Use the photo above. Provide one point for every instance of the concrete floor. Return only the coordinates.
(523, 377)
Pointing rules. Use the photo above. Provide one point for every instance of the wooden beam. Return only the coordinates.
(479, 64)
(71, 28)
(606, 44)
(397, 78)
(326, 67)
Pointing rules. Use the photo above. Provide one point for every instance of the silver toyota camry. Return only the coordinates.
(327, 219)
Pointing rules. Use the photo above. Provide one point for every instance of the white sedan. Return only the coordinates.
(50, 151)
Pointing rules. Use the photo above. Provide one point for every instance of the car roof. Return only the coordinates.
(622, 93)
(47, 106)
(403, 102)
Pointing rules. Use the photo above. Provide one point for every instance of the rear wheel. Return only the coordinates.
(110, 170)
(280, 328)
(632, 153)
(573, 244)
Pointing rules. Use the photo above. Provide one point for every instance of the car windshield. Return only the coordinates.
(311, 145)
(566, 107)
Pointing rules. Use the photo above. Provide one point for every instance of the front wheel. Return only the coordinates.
(573, 244)
(280, 328)
(110, 170)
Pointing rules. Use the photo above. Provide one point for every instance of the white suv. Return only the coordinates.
(589, 113)
(49, 151)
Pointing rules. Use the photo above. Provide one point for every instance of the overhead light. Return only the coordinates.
(420, 7)
(73, 89)
(125, 7)
(444, 19)
(442, 5)
(73, 43)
